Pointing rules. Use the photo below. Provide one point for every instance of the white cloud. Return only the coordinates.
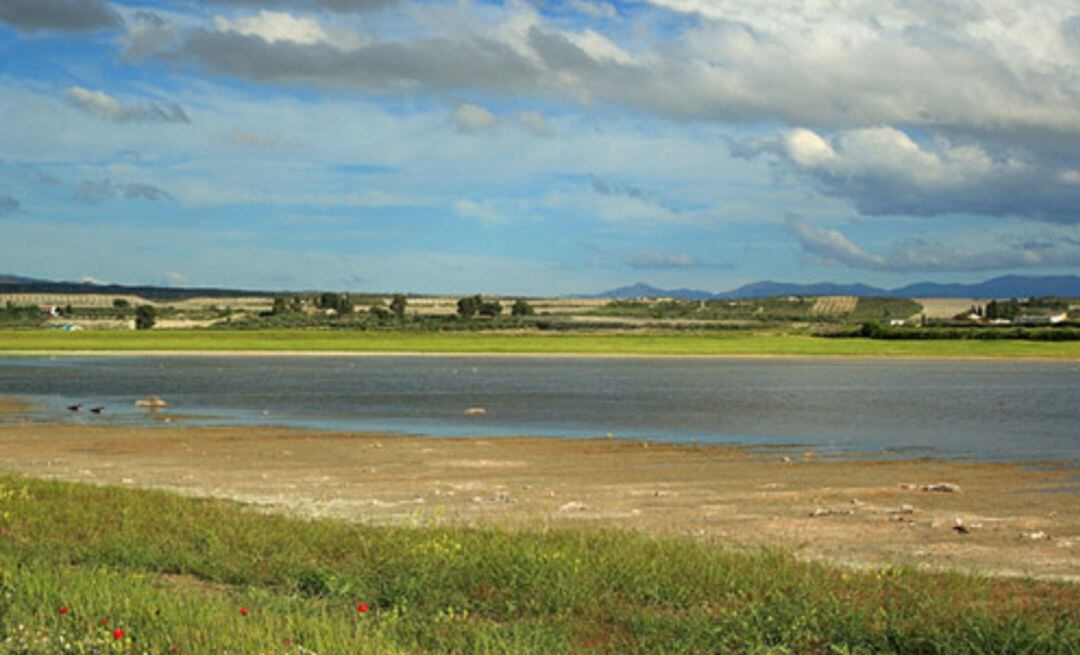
(275, 26)
(474, 118)
(494, 211)
(884, 171)
(995, 67)
(832, 246)
(103, 105)
(921, 255)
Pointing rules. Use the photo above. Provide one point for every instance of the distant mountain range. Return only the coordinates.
(1008, 286)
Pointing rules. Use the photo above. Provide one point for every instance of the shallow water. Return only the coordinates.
(985, 409)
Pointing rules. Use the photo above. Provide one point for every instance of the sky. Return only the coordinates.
(538, 148)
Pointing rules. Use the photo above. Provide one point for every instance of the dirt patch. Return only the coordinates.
(853, 512)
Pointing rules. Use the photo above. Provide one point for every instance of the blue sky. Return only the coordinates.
(537, 148)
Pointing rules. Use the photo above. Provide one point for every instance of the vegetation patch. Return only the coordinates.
(670, 343)
(95, 570)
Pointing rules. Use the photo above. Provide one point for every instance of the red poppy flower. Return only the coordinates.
(362, 608)
(104, 620)
(64, 610)
(243, 612)
(118, 634)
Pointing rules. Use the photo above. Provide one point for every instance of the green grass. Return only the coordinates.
(174, 573)
(655, 343)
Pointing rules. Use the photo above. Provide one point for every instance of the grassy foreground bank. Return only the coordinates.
(659, 343)
(92, 570)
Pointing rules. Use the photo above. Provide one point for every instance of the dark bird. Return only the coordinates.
(75, 407)
(97, 410)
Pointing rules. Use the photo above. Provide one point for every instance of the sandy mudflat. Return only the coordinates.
(745, 498)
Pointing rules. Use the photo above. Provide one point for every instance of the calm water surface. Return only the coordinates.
(1010, 410)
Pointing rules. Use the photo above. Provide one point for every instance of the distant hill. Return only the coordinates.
(1009, 286)
(642, 290)
(770, 289)
(16, 284)
(15, 279)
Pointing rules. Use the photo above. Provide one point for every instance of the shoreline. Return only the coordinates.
(866, 512)
(519, 354)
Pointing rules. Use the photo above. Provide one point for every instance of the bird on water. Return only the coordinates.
(76, 407)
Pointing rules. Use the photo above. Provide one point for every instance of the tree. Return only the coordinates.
(397, 305)
(490, 308)
(522, 308)
(120, 303)
(468, 306)
(280, 305)
(379, 313)
(340, 303)
(145, 317)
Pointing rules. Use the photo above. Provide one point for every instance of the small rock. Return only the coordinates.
(153, 402)
(824, 511)
(1037, 535)
(573, 506)
(940, 487)
(475, 411)
(902, 509)
(959, 527)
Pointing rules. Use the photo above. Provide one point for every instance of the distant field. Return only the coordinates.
(658, 343)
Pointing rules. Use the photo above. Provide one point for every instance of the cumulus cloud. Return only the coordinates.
(95, 191)
(995, 67)
(31, 16)
(920, 255)
(149, 34)
(883, 171)
(276, 27)
(648, 259)
(340, 6)
(474, 118)
(102, 105)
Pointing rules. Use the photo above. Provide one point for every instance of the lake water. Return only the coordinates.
(985, 409)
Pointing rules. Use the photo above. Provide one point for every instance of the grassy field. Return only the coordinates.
(105, 570)
(659, 343)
